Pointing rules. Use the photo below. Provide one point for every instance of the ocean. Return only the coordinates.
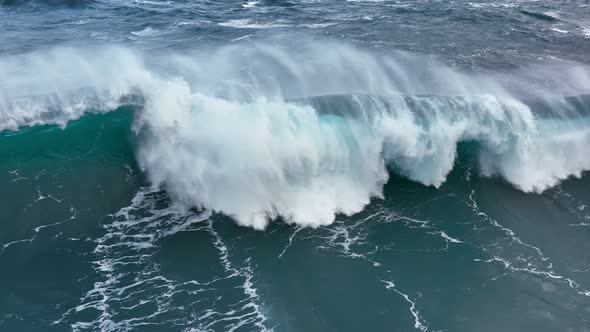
(325, 165)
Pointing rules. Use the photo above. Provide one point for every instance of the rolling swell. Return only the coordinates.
(256, 142)
(55, 143)
(540, 16)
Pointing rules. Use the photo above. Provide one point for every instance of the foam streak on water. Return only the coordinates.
(523, 260)
(351, 239)
(398, 165)
(418, 323)
(129, 279)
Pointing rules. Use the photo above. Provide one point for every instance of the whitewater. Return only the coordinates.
(241, 136)
(393, 165)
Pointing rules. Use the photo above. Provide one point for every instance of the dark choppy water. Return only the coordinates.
(294, 165)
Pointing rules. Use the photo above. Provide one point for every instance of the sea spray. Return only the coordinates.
(259, 132)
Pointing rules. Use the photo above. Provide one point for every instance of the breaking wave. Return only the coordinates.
(260, 132)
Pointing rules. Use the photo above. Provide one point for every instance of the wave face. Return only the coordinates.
(259, 132)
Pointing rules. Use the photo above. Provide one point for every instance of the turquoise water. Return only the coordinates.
(271, 165)
(86, 250)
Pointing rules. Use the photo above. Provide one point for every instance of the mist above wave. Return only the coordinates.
(233, 129)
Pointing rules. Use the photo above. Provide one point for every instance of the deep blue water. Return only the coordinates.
(318, 165)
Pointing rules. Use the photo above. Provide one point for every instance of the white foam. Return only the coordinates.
(250, 4)
(61, 85)
(127, 277)
(147, 32)
(251, 24)
(418, 323)
(192, 22)
(275, 158)
(221, 130)
(535, 262)
(153, 3)
(241, 38)
(559, 30)
(449, 238)
(553, 14)
(317, 25)
(492, 4)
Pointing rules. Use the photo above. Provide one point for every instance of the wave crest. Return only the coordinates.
(258, 132)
